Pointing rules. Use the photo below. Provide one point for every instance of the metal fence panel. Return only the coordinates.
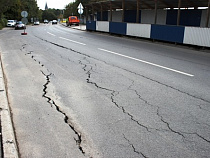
(139, 30)
(197, 36)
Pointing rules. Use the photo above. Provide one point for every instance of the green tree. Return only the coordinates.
(71, 8)
(9, 9)
(31, 7)
(49, 14)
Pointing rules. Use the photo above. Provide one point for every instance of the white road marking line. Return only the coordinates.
(146, 62)
(50, 33)
(72, 41)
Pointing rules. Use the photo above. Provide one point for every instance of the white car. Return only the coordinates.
(54, 22)
(11, 23)
(36, 22)
(46, 21)
(20, 25)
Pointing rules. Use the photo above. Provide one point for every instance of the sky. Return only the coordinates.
(57, 4)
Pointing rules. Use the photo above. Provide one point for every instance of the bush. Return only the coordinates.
(3, 23)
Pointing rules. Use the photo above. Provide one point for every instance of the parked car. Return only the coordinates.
(46, 21)
(11, 23)
(20, 25)
(36, 22)
(54, 22)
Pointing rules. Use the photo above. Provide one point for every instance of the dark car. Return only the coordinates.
(20, 25)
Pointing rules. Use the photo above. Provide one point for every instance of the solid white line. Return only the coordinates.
(50, 33)
(146, 62)
(72, 41)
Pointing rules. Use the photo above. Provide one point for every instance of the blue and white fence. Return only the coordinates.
(188, 17)
(179, 34)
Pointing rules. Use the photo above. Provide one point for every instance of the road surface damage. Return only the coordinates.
(78, 140)
(113, 93)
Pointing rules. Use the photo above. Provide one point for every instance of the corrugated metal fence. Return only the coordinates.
(179, 34)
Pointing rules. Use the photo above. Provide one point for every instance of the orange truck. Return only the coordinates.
(72, 20)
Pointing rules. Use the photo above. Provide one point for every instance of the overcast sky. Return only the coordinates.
(57, 4)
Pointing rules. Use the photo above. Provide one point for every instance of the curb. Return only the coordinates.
(8, 138)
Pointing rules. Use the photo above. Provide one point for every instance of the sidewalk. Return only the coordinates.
(8, 143)
(80, 27)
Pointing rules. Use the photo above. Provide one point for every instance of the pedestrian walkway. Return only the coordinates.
(80, 27)
(8, 145)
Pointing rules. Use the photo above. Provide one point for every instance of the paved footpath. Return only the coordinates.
(80, 27)
(8, 145)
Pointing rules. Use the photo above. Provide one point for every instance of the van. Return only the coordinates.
(11, 23)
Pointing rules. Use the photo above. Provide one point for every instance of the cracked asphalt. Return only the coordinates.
(83, 94)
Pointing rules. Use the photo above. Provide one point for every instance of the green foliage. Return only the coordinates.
(3, 23)
(11, 9)
(51, 14)
(31, 7)
(71, 8)
(14, 10)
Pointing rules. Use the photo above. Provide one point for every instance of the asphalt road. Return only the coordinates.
(83, 94)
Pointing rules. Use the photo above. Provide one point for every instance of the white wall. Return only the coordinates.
(116, 16)
(197, 36)
(139, 30)
(148, 17)
(102, 26)
(161, 17)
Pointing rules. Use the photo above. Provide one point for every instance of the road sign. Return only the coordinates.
(24, 20)
(80, 11)
(24, 14)
(80, 8)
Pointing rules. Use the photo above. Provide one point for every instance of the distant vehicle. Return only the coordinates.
(20, 25)
(46, 21)
(11, 23)
(72, 20)
(54, 22)
(36, 22)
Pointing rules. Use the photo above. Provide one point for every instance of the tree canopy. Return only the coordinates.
(11, 9)
(71, 8)
(51, 14)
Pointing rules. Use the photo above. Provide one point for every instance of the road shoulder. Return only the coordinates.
(8, 137)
